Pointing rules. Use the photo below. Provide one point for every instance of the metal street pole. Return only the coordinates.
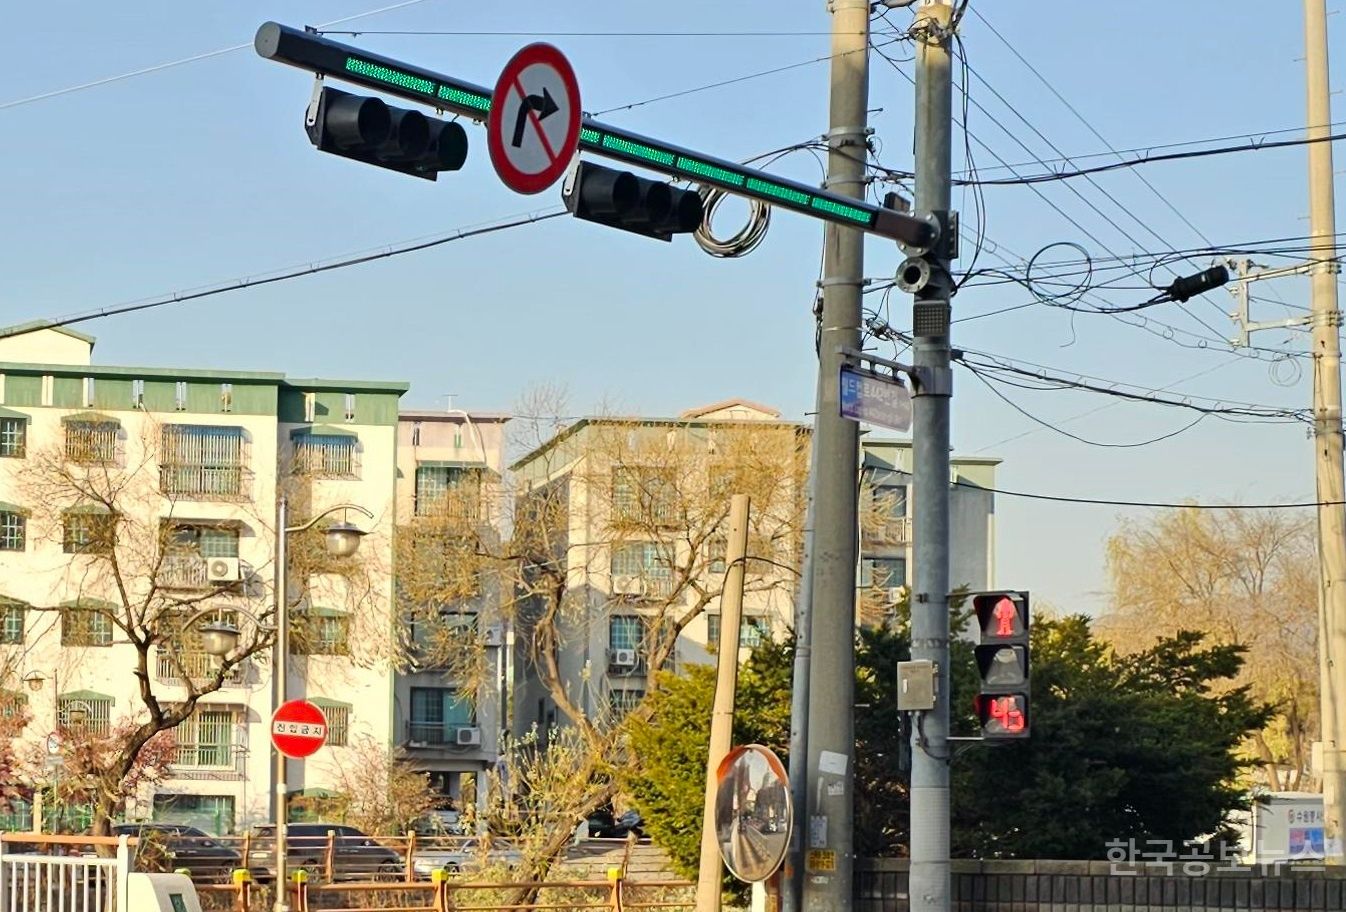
(929, 885)
(1327, 431)
(828, 823)
(792, 884)
(281, 671)
(722, 712)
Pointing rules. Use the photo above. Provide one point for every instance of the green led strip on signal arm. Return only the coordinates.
(311, 51)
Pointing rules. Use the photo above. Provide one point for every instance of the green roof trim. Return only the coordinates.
(87, 695)
(7, 601)
(6, 507)
(90, 508)
(10, 413)
(89, 418)
(315, 384)
(316, 611)
(449, 464)
(98, 371)
(91, 604)
(315, 792)
(35, 325)
(328, 703)
(322, 430)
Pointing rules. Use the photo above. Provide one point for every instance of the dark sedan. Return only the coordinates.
(173, 846)
(355, 855)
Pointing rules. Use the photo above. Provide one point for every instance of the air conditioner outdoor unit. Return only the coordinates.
(468, 737)
(622, 658)
(896, 594)
(628, 585)
(222, 569)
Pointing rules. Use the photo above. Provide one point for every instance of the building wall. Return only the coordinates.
(474, 443)
(43, 575)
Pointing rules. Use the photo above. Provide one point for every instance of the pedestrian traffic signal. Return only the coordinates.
(1002, 663)
(368, 130)
(622, 200)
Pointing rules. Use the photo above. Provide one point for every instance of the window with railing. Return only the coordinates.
(753, 631)
(643, 563)
(454, 491)
(13, 704)
(86, 626)
(327, 456)
(206, 738)
(437, 631)
(202, 461)
(85, 711)
(622, 701)
(92, 441)
(437, 713)
(188, 547)
(883, 573)
(88, 532)
(319, 631)
(626, 637)
(13, 437)
(338, 721)
(643, 495)
(12, 619)
(13, 530)
(171, 664)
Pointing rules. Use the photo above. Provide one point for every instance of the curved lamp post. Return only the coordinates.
(219, 639)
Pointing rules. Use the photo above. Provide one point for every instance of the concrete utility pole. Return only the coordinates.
(722, 711)
(827, 824)
(792, 883)
(929, 888)
(1327, 429)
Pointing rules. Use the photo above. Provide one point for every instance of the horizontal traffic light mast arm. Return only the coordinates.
(309, 51)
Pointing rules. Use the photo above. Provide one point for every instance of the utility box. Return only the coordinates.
(162, 893)
(916, 685)
(1285, 827)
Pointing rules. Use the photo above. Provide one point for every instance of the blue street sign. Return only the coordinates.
(874, 399)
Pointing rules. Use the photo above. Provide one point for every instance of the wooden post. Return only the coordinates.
(329, 857)
(408, 873)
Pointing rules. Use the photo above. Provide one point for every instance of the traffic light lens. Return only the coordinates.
(687, 211)
(354, 122)
(1006, 668)
(448, 146)
(409, 136)
(1003, 715)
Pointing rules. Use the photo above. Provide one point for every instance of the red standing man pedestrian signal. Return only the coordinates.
(1005, 614)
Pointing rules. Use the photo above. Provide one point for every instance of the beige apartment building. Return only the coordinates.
(172, 476)
(628, 580)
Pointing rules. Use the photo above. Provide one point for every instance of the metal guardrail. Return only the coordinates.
(49, 873)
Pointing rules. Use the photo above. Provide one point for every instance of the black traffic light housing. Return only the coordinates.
(368, 130)
(1002, 653)
(620, 199)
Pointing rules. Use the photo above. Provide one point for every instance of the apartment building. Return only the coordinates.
(450, 719)
(635, 510)
(886, 511)
(172, 476)
(624, 582)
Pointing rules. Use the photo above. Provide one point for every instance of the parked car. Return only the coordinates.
(603, 825)
(170, 846)
(355, 854)
(461, 855)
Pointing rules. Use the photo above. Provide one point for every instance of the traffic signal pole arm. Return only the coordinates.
(312, 52)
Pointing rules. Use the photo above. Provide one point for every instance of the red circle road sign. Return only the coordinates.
(298, 729)
(534, 126)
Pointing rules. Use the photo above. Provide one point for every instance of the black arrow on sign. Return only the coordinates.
(545, 106)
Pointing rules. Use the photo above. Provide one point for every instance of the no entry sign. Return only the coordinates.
(298, 729)
(534, 125)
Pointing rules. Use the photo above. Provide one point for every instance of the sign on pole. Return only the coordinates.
(298, 729)
(534, 127)
(869, 397)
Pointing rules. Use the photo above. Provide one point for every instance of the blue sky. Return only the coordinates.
(202, 173)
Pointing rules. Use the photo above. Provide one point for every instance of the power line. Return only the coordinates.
(240, 284)
(159, 67)
(1162, 505)
(534, 34)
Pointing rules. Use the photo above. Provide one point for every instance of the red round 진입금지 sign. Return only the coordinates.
(298, 729)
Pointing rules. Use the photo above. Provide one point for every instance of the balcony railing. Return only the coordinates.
(435, 734)
(183, 571)
(892, 531)
(199, 666)
(205, 756)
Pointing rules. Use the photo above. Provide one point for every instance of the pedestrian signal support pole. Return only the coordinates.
(722, 712)
(827, 822)
(929, 885)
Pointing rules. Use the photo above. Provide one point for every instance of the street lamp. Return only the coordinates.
(219, 639)
(342, 540)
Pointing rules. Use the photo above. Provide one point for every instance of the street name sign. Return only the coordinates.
(533, 128)
(298, 729)
(875, 399)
